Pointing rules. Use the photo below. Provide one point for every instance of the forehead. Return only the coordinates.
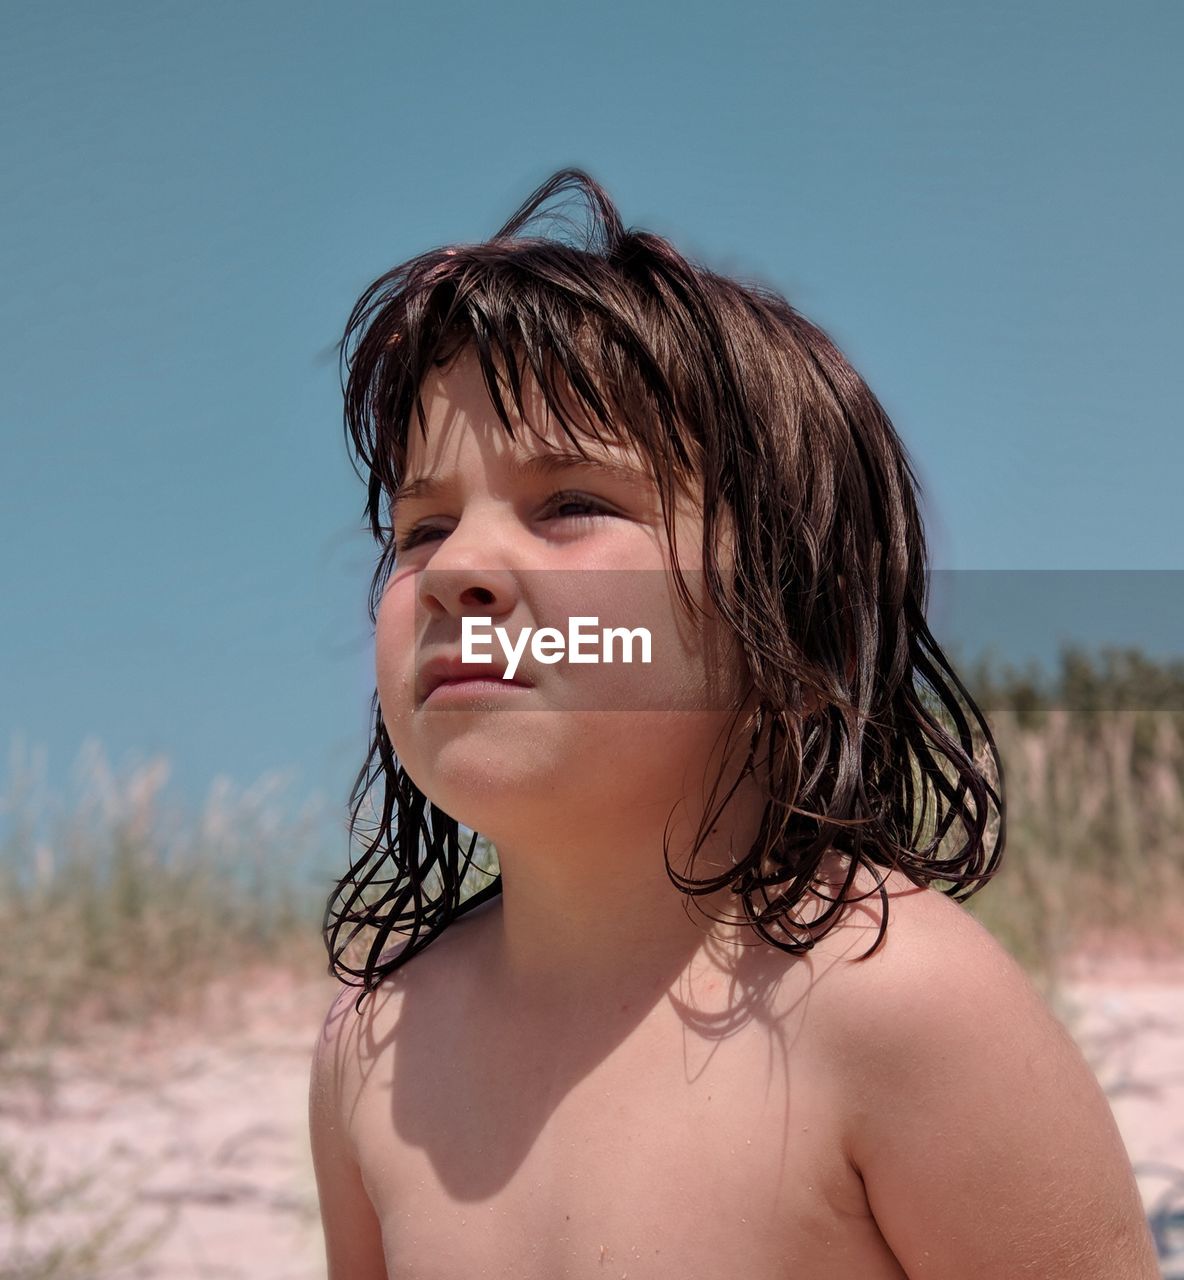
(457, 406)
(458, 411)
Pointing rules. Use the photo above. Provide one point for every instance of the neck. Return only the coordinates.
(588, 915)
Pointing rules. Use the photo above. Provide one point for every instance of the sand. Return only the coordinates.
(198, 1129)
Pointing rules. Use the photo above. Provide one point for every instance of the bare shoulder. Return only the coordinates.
(958, 1076)
(936, 973)
(345, 1049)
(350, 1039)
(917, 923)
(358, 1031)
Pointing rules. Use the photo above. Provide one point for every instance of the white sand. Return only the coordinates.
(202, 1127)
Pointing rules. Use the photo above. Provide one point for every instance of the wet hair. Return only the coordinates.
(721, 384)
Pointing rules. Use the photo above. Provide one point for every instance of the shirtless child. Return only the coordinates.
(710, 1016)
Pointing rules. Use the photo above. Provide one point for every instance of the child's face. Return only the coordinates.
(574, 741)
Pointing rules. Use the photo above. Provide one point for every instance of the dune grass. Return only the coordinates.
(1095, 834)
(121, 911)
(114, 911)
(117, 909)
(101, 1241)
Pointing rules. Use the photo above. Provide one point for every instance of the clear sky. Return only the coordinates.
(981, 203)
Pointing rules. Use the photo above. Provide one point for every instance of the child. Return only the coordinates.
(561, 1070)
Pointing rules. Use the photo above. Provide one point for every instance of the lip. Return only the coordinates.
(466, 690)
(466, 677)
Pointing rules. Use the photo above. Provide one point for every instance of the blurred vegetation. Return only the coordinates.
(1082, 684)
(118, 909)
(112, 912)
(1093, 759)
(101, 1243)
(121, 909)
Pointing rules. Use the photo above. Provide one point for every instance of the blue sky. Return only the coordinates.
(981, 203)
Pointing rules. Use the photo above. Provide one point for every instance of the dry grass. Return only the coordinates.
(120, 912)
(1095, 840)
(117, 914)
(101, 1241)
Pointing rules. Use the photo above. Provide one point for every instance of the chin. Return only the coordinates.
(491, 811)
(479, 779)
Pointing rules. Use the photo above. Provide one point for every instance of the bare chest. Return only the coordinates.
(674, 1153)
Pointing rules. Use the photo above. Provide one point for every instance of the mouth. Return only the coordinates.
(472, 688)
(447, 679)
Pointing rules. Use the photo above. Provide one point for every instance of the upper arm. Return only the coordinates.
(353, 1234)
(985, 1143)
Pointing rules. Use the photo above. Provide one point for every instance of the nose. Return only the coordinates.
(467, 575)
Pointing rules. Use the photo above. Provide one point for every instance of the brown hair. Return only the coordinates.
(722, 384)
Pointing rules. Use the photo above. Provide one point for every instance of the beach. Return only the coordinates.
(196, 1129)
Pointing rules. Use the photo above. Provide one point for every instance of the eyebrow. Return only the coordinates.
(535, 466)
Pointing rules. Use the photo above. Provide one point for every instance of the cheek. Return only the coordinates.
(697, 664)
(629, 601)
(394, 656)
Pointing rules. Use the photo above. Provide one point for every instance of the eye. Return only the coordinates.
(567, 499)
(558, 504)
